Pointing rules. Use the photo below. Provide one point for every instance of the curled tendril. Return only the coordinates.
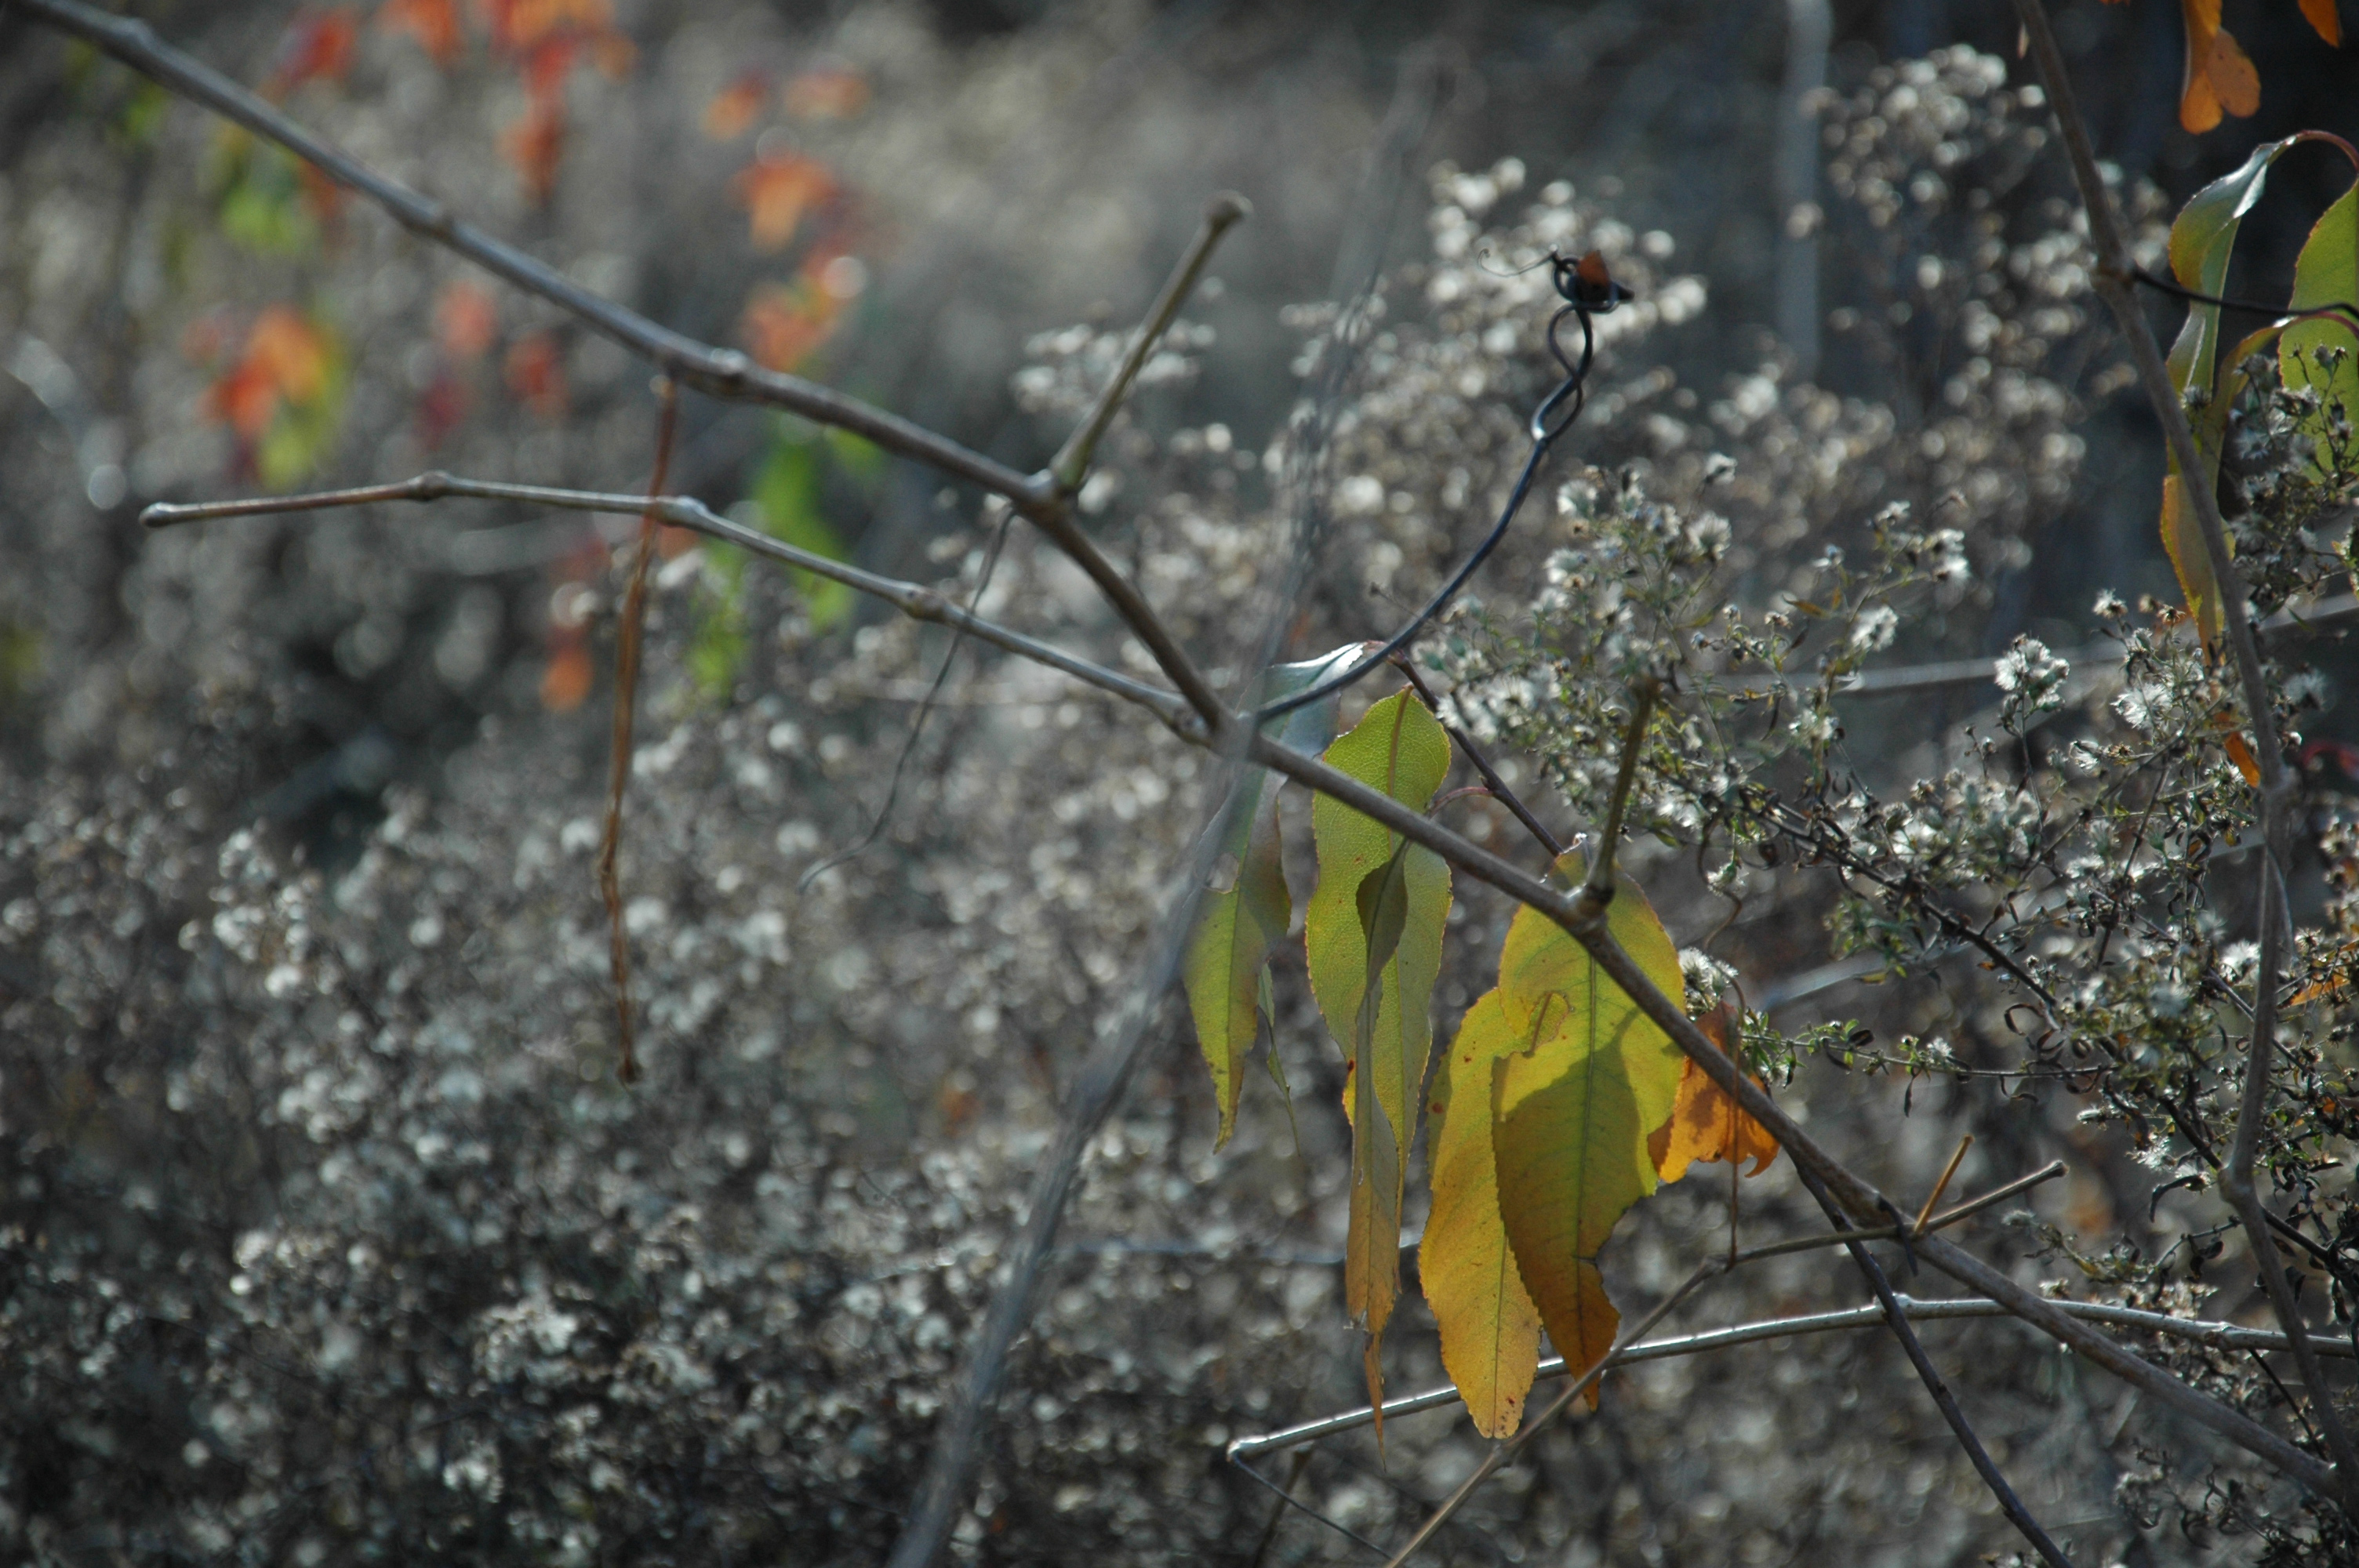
(1588, 290)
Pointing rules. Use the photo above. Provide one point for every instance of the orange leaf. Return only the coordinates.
(736, 106)
(827, 93)
(464, 319)
(536, 375)
(546, 62)
(535, 143)
(2242, 755)
(567, 679)
(1708, 1125)
(2218, 76)
(784, 323)
(2323, 16)
(777, 189)
(433, 23)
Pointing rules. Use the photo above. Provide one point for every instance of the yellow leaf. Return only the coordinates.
(1490, 1329)
(1573, 1114)
(1243, 918)
(1377, 1003)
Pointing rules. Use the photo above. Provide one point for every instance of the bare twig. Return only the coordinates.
(1598, 890)
(2009, 1504)
(1944, 1184)
(2114, 278)
(1071, 463)
(1501, 790)
(721, 373)
(1504, 1454)
(2215, 1336)
(912, 599)
(626, 693)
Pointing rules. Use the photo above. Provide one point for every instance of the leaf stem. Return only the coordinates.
(1599, 890)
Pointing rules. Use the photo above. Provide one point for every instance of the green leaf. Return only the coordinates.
(1490, 1328)
(786, 494)
(2202, 243)
(1574, 1113)
(2326, 273)
(1243, 919)
(1248, 908)
(716, 649)
(1376, 996)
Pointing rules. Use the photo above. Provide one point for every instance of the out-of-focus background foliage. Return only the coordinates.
(326, 1234)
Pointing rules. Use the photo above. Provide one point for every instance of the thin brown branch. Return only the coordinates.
(1944, 1184)
(2114, 278)
(628, 635)
(1598, 891)
(1071, 463)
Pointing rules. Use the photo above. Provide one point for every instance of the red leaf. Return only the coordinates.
(433, 23)
(536, 375)
(464, 319)
(567, 679)
(441, 409)
(285, 360)
(536, 144)
(317, 45)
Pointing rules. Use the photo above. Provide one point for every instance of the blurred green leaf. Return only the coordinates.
(2327, 272)
(787, 494)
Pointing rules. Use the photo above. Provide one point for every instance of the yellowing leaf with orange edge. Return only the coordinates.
(1490, 1328)
(1573, 1115)
(1707, 1125)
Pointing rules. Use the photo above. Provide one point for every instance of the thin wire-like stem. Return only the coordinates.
(2212, 1335)
(1551, 419)
(628, 639)
(1071, 463)
(1501, 790)
(2113, 279)
(1555, 1366)
(912, 599)
(1898, 1318)
(1504, 1454)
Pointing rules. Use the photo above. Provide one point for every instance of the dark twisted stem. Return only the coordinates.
(1551, 419)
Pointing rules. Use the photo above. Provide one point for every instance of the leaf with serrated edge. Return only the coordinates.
(1398, 748)
(2326, 272)
(1490, 1329)
(1572, 1116)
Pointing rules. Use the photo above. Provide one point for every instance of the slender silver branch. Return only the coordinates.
(2215, 1336)
(685, 511)
(1071, 463)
